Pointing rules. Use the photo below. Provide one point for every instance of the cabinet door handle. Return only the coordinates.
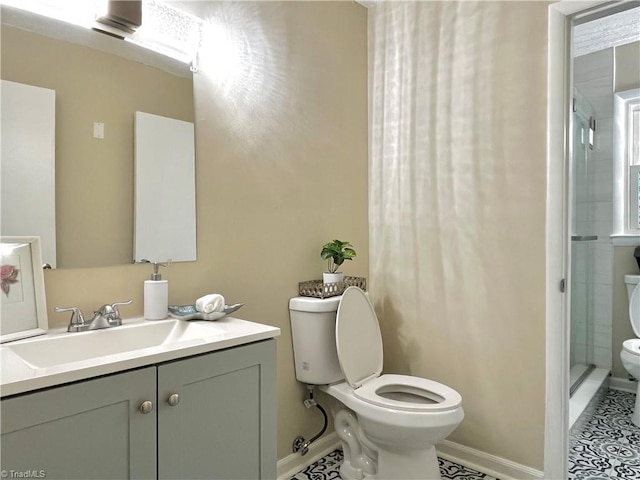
(173, 400)
(146, 406)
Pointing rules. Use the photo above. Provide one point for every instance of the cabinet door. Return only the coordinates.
(87, 430)
(224, 426)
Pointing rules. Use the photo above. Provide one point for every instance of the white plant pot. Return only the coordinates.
(332, 277)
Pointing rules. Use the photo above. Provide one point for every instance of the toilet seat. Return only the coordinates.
(634, 310)
(403, 392)
(359, 347)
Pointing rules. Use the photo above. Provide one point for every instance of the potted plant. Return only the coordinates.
(336, 252)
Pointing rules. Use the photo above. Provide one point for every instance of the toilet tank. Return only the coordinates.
(313, 326)
(631, 281)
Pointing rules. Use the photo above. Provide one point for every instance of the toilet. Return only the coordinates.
(388, 424)
(630, 354)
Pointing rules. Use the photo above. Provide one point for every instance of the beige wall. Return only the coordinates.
(282, 163)
(627, 69)
(627, 76)
(281, 169)
(94, 181)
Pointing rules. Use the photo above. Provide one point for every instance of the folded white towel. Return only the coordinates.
(214, 302)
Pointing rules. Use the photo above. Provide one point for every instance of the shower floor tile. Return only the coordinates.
(604, 444)
(328, 468)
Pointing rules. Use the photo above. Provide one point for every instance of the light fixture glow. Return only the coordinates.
(223, 57)
(77, 12)
(165, 29)
(168, 30)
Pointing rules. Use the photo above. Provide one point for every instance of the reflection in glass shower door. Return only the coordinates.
(581, 250)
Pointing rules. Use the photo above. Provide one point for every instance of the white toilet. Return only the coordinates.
(388, 424)
(630, 354)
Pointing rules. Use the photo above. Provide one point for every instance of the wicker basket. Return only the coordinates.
(318, 289)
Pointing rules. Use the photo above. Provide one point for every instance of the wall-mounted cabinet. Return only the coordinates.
(165, 189)
(211, 416)
(27, 164)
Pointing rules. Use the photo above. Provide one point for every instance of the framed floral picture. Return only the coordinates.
(23, 309)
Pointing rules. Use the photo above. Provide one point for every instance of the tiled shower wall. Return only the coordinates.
(593, 261)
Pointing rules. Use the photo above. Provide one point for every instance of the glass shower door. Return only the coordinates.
(582, 282)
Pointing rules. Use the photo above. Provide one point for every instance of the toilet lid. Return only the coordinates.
(358, 338)
(634, 310)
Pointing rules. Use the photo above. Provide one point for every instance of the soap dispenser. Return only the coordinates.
(156, 295)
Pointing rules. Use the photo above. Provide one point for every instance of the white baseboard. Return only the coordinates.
(294, 463)
(485, 462)
(623, 384)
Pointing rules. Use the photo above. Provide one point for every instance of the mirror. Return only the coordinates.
(165, 212)
(99, 82)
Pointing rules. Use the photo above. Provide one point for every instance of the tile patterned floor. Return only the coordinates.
(327, 468)
(604, 444)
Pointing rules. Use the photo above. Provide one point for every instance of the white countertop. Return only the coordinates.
(17, 375)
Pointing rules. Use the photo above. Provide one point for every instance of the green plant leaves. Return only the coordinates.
(336, 252)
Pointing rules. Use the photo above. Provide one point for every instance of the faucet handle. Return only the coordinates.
(76, 322)
(115, 306)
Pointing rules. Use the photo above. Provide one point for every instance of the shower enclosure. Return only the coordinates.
(582, 238)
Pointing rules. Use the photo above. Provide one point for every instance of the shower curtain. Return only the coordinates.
(457, 206)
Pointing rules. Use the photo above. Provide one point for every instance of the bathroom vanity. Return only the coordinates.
(192, 406)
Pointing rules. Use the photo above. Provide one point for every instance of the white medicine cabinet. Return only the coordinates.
(165, 190)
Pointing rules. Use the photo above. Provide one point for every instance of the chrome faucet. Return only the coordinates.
(106, 316)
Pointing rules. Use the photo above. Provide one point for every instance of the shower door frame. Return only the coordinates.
(558, 218)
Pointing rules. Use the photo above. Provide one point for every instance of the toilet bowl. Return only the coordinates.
(404, 421)
(630, 356)
(630, 353)
(388, 424)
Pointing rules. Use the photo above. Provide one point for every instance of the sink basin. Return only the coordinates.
(60, 357)
(50, 351)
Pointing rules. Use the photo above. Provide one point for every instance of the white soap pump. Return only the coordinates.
(156, 294)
